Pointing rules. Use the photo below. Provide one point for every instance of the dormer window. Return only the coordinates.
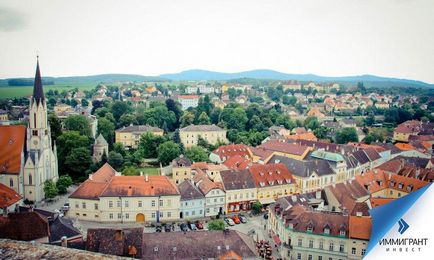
(279, 181)
(409, 188)
(288, 181)
(392, 183)
(327, 231)
(400, 185)
(278, 172)
(270, 173)
(342, 232)
(261, 173)
(271, 182)
(262, 184)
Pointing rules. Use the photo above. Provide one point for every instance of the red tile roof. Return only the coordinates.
(237, 162)
(283, 147)
(24, 226)
(227, 151)
(12, 139)
(376, 202)
(270, 175)
(360, 227)
(8, 196)
(137, 186)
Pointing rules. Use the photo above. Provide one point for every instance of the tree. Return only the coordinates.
(148, 145)
(127, 119)
(196, 154)
(347, 134)
(50, 189)
(321, 132)
(235, 118)
(204, 119)
(116, 160)
(285, 121)
(257, 207)
(63, 183)
(78, 161)
(175, 108)
(119, 108)
(130, 171)
(216, 224)
(66, 143)
(78, 123)
(107, 129)
(55, 126)
(84, 102)
(168, 151)
(187, 119)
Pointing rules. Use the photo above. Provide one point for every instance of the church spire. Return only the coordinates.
(38, 92)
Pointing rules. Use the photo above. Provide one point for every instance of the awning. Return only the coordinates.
(267, 200)
(277, 240)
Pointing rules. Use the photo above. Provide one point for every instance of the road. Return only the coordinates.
(58, 202)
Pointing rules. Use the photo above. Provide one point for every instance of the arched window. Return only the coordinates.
(11, 183)
(30, 179)
(34, 119)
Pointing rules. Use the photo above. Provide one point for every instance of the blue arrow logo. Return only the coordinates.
(403, 226)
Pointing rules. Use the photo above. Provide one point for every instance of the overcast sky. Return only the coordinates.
(392, 38)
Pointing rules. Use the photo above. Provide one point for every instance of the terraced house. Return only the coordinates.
(240, 189)
(108, 197)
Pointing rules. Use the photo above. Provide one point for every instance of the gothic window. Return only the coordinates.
(35, 132)
(11, 182)
(30, 179)
(34, 119)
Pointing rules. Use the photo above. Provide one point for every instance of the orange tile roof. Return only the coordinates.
(266, 175)
(393, 166)
(12, 138)
(360, 227)
(376, 202)
(227, 151)
(8, 196)
(305, 136)
(137, 186)
(230, 255)
(283, 147)
(237, 162)
(104, 174)
(405, 147)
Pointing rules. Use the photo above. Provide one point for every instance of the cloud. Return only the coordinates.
(11, 20)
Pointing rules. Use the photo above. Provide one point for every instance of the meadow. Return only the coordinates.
(26, 91)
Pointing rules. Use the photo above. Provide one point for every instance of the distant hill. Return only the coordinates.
(369, 80)
(94, 79)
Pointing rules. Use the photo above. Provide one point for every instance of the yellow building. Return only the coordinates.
(240, 190)
(291, 85)
(211, 133)
(63, 110)
(108, 197)
(273, 181)
(3, 115)
(129, 136)
(181, 169)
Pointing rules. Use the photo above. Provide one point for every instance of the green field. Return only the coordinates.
(150, 170)
(11, 92)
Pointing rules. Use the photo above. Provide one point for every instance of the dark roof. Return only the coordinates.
(25, 226)
(197, 245)
(304, 168)
(189, 191)
(388, 146)
(199, 128)
(62, 226)
(361, 156)
(38, 91)
(139, 129)
(237, 180)
(115, 241)
(181, 161)
(415, 161)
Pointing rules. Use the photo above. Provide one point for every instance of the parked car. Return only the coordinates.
(66, 205)
(192, 226)
(184, 227)
(167, 228)
(158, 228)
(199, 224)
(236, 219)
(229, 221)
(243, 219)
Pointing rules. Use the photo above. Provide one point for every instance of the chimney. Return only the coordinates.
(359, 214)
(146, 177)
(64, 242)
(91, 176)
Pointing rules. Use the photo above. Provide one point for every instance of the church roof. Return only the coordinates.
(38, 91)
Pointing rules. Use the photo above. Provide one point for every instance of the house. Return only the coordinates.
(224, 152)
(12, 140)
(359, 235)
(277, 147)
(4, 117)
(272, 181)
(192, 201)
(198, 245)
(240, 190)
(382, 105)
(127, 242)
(187, 101)
(181, 169)
(291, 85)
(403, 132)
(25, 226)
(210, 133)
(215, 196)
(349, 197)
(305, 136)
(314, 111)
(130, 136)
(9, 199)
(278, 131)
(237, 162)
(108, 197)
(335, 160)
(310, 175)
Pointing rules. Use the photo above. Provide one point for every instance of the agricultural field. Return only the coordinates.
(25, 91)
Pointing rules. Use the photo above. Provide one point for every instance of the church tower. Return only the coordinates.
(41, 160)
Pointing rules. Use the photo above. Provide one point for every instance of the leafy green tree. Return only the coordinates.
(187, 119)
(55, 126)
(216, 224)
(50, 189)
(215, 114)
(66, 143)
(119, 108)
(234, 118)
(311, 122)
(116, 160)
(107, 129)
(102, 111)
(148, 145)
(78, 123)
(127, 119)
(197, 154)
(168, 151)
(257, 207)
(84, 102)
(73, 102)
(321, 132)
(175, 108)
(78, 162)
(286, 121)
(347, 134)
(204, 119)
(130, 171)
(63, 183)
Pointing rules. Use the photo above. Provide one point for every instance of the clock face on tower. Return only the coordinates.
(35, 142)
